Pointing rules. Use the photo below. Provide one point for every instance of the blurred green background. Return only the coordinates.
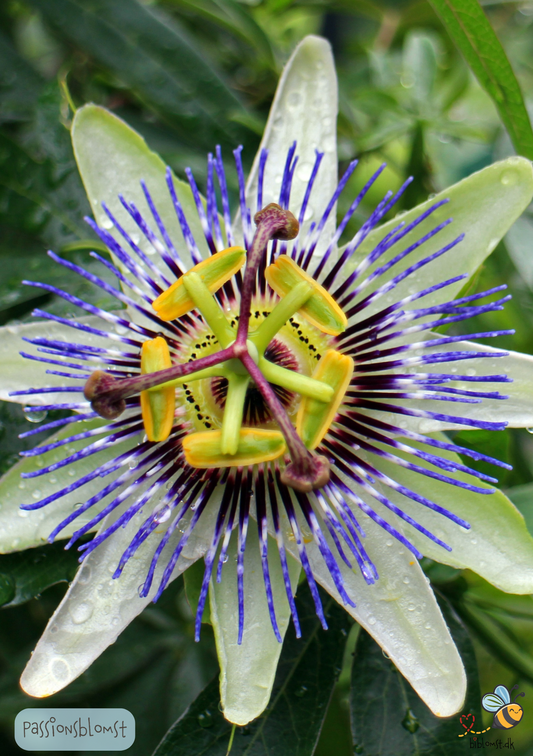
(188, 75)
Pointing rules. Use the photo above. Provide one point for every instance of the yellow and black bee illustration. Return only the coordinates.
(507, 713)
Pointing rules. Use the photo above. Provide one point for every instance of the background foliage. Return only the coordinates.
(189, 74)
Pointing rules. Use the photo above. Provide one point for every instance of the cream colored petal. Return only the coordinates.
(24, 529)
(247, 671)
(516, 410)
(304, 109)
(498, 545)
(96, 608)
(483, 206)
(402, 615)
(18, 373)
(112, 159)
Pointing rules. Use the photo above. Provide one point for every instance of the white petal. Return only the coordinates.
(304, 109)
(516, 411)
(498, 546)
(112, 159)
(96, 608)
(247, 671)
(483, 206)
(19, 373)
(402, 615)
(21, 529)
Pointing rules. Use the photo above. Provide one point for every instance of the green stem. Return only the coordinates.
(284, 309)
(293, 381)
(206, 303)
(233, 413)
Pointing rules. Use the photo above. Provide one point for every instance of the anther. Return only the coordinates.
(98, 390)
(283, 221)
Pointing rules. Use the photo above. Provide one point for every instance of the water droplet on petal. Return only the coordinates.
(60, 670)
(80, 613)
(35, 415)
(509, 178)
(163, 515)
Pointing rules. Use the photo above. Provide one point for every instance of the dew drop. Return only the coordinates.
(385, 654)
(85, 575)
(509, 178)
(36, 494)
(205, 719)
(60, 670)
(410, 722)
(163, 515)
(107, 223)
(371, 620)
(304, 171)
(80, 613)
(225, 559)
(302, 690)
(470, 371)
(294, 99)
(35, 415)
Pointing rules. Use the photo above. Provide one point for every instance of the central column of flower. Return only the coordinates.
(241, 359)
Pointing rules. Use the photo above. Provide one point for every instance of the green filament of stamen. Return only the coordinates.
(284, 309)
(297, 382)
(233, 413)
(206, 303)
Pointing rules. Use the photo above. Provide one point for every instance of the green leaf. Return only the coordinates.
(522, 498)
(20, 85)
(307, 672)
(26, 575)
(154, 56)
(468, 26)
(40, 191)
(499, 638)
(389, 719)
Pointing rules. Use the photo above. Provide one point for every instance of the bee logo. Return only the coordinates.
(507, 713)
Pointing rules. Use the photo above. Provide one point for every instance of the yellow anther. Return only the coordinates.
(214, 272)
(255, 445)
(320, 309)
(157, 404)
(315, 417)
